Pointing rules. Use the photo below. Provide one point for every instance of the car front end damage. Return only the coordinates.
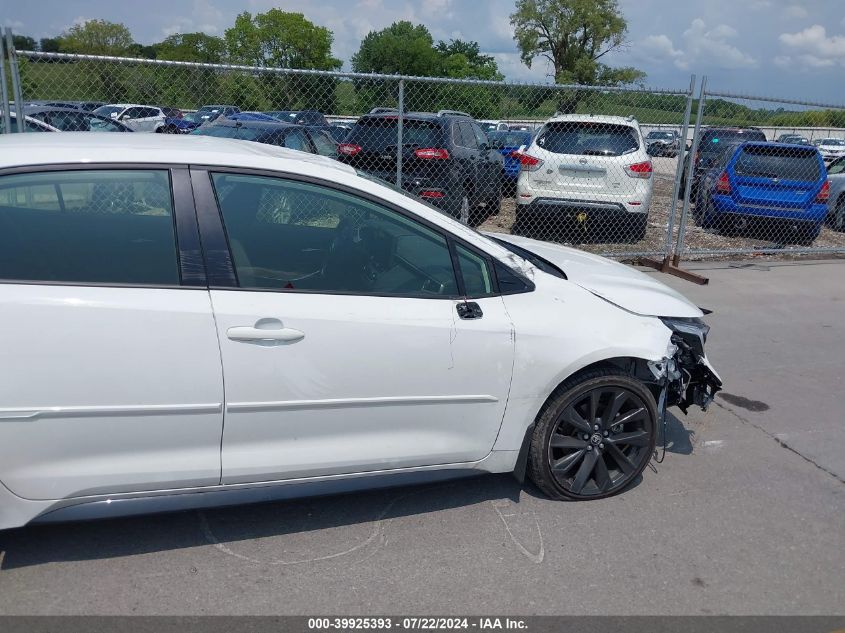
(684, 375)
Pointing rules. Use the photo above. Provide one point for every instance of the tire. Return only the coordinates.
(565, 466)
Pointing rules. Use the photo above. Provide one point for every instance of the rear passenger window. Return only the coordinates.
(103, 226)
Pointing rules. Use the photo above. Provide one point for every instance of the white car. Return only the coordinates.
(139, 118)
(589, 177)
(364, 339)
(830, 148)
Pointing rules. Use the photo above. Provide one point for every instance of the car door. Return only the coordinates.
(467, 151)
(111, 378)
(342, 343)
(131, 117)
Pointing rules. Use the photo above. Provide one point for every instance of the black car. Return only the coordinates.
(713, 139)
(74, 120)
(282, 134)
(446, 159)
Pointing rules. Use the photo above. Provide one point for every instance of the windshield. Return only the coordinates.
(194, 117)
(660, 135)
(711, 139)
(833, 141)
(588, 138)
(377, 135)
(225, 131)
(778, 162)
(107, 110)
(510, 139)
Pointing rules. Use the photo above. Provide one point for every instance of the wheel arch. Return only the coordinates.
(628, 365)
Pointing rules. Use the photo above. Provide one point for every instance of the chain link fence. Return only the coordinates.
(757, 183)
(603, 169)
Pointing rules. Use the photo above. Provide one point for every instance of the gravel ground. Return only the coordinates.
(696, 238)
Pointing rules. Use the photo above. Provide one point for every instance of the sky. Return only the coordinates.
(785, 48)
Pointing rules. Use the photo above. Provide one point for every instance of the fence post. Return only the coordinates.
(679, 170)
(4, 91)
(679, 245)
(400, 125)
(16, 80)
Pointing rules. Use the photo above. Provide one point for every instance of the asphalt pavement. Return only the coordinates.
(746, 514)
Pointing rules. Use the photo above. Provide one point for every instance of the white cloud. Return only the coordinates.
(661, 47)
(760, 5)
(794, 12)
(14, 24)
(710, 45)
(813, 48)
(205, 18)
(701, 46)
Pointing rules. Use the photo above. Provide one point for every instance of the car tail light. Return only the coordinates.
(348, 149)
(723, 185)
(639, 170)
(432, 153)
(824, 193)
(431, 194)
(526, 161)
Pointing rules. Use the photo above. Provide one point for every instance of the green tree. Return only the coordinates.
(574, 36)
(23, 43)
(463, 60)
(402, 48)
(191, 47)
(279, 39)
(97, 37)
(50, 45)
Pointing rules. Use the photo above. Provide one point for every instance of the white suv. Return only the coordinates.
(588, 175)
(140, 118)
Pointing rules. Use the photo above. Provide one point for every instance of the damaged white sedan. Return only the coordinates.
(196, 322)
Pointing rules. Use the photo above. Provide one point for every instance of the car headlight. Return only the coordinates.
(692, 330)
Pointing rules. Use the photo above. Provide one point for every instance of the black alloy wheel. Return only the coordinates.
(596, 438)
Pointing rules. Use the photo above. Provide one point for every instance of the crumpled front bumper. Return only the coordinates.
(687, 377)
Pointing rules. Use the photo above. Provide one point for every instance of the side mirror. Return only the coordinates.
(125, 117)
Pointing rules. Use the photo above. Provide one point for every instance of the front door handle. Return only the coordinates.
(265, 331)
(469, 310)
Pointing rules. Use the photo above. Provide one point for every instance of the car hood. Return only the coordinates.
(617, 283)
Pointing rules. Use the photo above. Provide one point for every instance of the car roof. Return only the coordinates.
(255, 124)
(19, 150)
(595, 118)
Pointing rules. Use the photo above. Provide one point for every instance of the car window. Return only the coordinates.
(66, 121)
(836, 167)
(150, 112)
(379, 134)
(475, 273)
(480, 136)
(295, 139)
(324, 144)
(132, 113)
(588, 138)
(289, 235)
(791, 163)
(98, 226)
(29, 126)
(227, 131)
(97, 124)
(466, 135)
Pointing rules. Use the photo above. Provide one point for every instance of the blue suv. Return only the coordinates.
(780, 189)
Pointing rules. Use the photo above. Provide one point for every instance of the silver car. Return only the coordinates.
(836, 201)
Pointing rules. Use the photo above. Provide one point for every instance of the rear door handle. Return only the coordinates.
(265, 331)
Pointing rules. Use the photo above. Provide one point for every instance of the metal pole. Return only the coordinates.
(400, 125)
(679, 169)
(691, 172)
(4, 92)
(16, 80)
